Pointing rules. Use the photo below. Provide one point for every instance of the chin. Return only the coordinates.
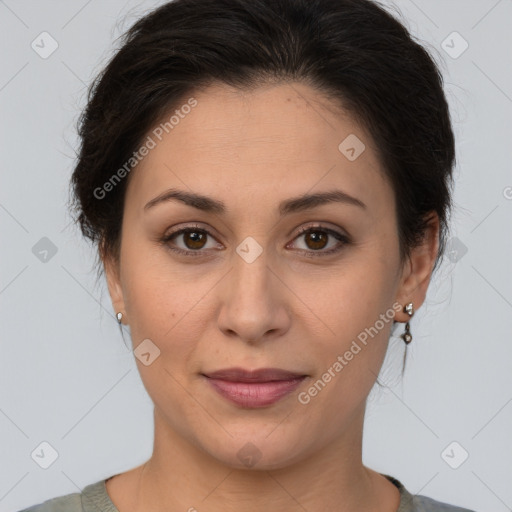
(258, 452)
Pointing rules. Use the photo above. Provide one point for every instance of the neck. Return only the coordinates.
(180, 476)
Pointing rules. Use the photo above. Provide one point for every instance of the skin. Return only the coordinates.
(252, 150)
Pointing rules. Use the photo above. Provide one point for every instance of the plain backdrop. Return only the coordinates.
(68, 379)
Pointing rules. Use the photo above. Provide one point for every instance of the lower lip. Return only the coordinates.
(256, 394)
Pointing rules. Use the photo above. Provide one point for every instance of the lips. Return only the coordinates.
(254, 388)
(261, 375)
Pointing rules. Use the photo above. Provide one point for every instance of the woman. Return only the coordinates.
(268, 183)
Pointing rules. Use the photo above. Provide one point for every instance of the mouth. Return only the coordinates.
(254, 388)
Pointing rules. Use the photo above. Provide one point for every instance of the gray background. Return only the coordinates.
(67, 377)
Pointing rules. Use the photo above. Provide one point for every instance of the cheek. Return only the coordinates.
(353, 295)
(355, 310)
(165, 305)
(159, 310)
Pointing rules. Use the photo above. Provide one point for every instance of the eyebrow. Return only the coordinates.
(286, 207)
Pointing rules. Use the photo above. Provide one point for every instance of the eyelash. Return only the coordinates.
(341, 238)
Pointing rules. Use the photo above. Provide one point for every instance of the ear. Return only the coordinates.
(417, 270)
(112, 274)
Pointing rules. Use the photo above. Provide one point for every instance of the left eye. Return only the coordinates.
(316, 239)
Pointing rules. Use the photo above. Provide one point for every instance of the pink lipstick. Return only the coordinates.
(256, 388)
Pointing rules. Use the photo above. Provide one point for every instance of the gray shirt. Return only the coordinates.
(94, 498)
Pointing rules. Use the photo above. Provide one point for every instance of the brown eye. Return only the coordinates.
(316, 239)
(194, 239)
(191, 241)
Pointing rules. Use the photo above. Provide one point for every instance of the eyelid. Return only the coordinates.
(320, 226)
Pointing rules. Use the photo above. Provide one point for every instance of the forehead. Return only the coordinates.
(247, 145)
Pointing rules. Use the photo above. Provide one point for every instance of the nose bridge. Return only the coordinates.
(251, 275)
(251, 305)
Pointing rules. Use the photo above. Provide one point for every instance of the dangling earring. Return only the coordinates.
(407, 336)
(119, 317)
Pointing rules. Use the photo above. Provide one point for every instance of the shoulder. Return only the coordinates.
(418, 503)
(68, 503)
(426, 504)
(92, 498)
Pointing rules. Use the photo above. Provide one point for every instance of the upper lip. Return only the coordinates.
(259, 375)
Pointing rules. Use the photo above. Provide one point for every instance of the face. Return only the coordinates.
(258, 277)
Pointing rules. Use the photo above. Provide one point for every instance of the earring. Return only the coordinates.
(119, 317)
(407, 336)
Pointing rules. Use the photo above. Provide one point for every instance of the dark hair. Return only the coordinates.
(353, 51)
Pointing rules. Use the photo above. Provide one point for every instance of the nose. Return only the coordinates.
(253, 302)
